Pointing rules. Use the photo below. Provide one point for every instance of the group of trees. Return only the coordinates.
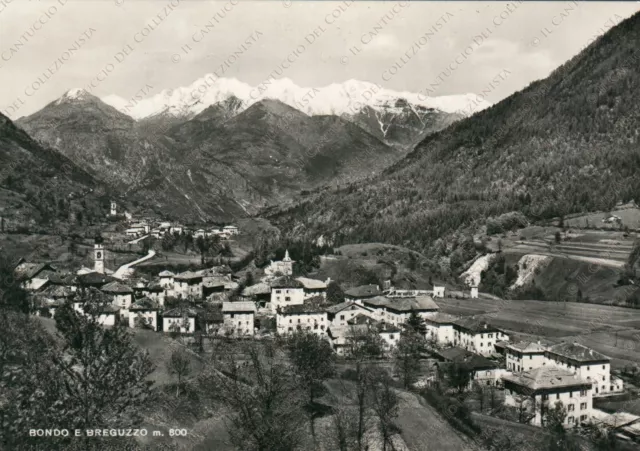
(86, 377)
(207, 247)
(498, 277)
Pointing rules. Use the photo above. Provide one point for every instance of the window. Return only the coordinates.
(391, 337)
(530, 357)
(571, 408)
(557, 395)
(277, 291)
(315, 326)
(583, 393)
(545, 397)
(481, 345)
(490, 335)
(322, 327)
(571, 420)
(583, 405)
(603, 378)
(583, 417)
(232, 315)
(342, 317)
(290, 320)
(571, 394)
(603, 367)
(588, 367)
(287, 298)
(603, 387)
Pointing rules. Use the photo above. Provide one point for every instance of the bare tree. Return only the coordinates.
(179, 365)
(384, 401)
(265, 402)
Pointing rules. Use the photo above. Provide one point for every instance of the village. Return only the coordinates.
(215, 303)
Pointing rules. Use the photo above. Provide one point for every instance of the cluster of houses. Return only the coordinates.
(533, 374)
(160, 229)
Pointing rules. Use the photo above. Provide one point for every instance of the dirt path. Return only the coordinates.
(423, 429)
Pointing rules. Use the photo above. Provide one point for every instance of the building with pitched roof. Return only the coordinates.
(144, 310)
(286, 291)
(340, 314)
(397, 310)
(34, 276)
(440, 328)
(239, 317)
(540, 389)
(311, 316)
(525, 355)
(280, 268)
(188, 284)
(585, 363)
(477, 335)
(313, 287)
(481, 370)
(362, 292)
(121, 295)
(182, 320)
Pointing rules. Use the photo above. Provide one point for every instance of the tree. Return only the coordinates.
(558, 237)
(364, 343)
(479, 392)
(416, 323)
(179, 365)
(335, 295)
(264, 399)
(553, 419)
(525, 407)
(458, 376)
(313, 360)
(407, 357)
(12, 295)
(385, 404)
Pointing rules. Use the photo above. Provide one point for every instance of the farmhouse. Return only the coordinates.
(389, 333)
(144, 313)
(181, 320)
(586, 364)
(313, 287)
(440, 328)
(155, 291)
(239, 317)
(438, 291)
(310, 316)
(212, 319)
(541, 388)
(339, 314)
(362, 292)
(231, 230)
(397, 310)
(188, 284)
(121, 296)
(260, 293)
(525, 356)
(280, 268)
(286, 291)
(476, 335)
(166, 279)
(480, 369)
(34, 276)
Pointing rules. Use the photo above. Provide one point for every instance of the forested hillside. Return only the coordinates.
(565, 144)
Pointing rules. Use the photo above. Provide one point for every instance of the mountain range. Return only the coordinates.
(232, 157)
(568, 143)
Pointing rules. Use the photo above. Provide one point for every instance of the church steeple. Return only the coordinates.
(286, 256)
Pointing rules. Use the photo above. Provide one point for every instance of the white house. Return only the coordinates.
(231, 230)
(477, 336)
(121, 296)
(438, 291)
(179, 320)
(144, 309)
(310, 316)
(440, 328)
(481, 370)
(525, 356)
(540, 389)
(340, 314)
(284, 267)
(286, 291)
(34, 276)
(239, 317)
(398, 310)
(188, 284)
(389, 333)
(166, 279)
(586, 364)
(474, 292)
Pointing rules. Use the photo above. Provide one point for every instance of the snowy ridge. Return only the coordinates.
(336, 99)
(73, 94)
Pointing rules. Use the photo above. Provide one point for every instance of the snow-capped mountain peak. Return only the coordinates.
(73, 94)
(348, 98)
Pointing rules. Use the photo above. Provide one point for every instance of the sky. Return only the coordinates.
(138, 47)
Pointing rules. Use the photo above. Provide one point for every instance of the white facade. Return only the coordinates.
(390, 339)
(474, 292)
(438, 292)
(579, 403)
(98, 255)
(283, 297)
(284, 267)
(479, 342)
(151, 316)
(441, 333)
(107, 319)
(316, 322)
(241, 323)
(598, 374)
(340, 319)
(185, 325)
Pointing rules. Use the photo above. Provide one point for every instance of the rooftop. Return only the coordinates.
(316, 304)
(527, 347)
(576, 351)
(312, 284)
(117, 287)
(545, 378)
(343, 305)
(241, 307)
(93, 278)
(466, 359)
(363, 291)
(442, 318)
(180, 312)
(166, 273)
(30, 270)
(287, 282)
(144, 303)
(475, 325)
(187, 275)
(254, 290)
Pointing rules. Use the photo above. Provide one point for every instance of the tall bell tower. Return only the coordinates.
(98, 255)
(114, 208)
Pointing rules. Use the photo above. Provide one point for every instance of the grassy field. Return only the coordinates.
(610, 330)
(630, 217)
